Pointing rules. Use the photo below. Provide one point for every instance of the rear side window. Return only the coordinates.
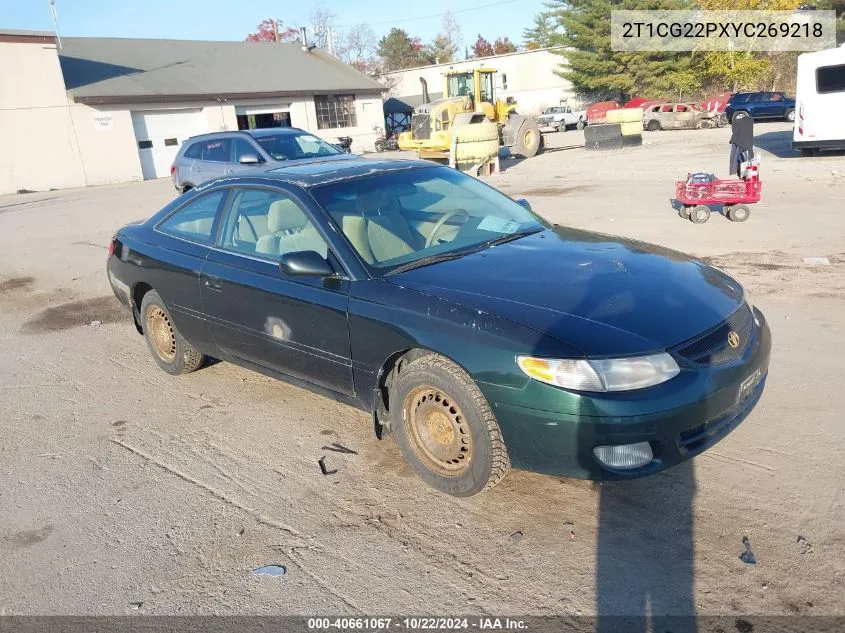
(830, 79)
(195, 221)
(194, 151)
(217, 150)
(739, 98)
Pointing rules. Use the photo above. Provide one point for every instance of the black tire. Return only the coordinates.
(789, 115)
(739, 114)
(528, 140)
(653, 126)
(464, 454)
(187, 188)
(562, 127)
(169, 350)
(684, 212)
(738, 213)
(581, 124)
(379, 146)
(699, 214)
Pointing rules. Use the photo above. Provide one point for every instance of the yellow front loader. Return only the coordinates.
(466, 109)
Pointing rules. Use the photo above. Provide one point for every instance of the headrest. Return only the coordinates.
(372, 201)
(284, 215)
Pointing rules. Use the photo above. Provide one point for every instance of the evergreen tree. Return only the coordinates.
(542, 33)
(399, 50)
(594, 68)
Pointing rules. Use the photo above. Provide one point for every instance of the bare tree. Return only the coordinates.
(358, 47)
(450, 35)
(321, 21)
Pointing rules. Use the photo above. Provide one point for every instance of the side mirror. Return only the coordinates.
(524, 203)
(305, 264)
(249, 159)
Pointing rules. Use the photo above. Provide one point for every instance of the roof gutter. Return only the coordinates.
(226, 96)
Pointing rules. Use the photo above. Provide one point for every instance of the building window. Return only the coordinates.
(145, 144)
(334, 111)
(170, 142)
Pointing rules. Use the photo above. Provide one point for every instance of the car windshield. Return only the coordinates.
(412, 216)
(295, 146)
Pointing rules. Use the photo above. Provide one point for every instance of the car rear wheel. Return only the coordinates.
(699, 214)
(170, 351)
(789, 115)
(445, 428)
(740, 114)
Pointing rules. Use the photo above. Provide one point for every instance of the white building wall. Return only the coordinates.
(47, 141)
(38, 148)
(529, 77)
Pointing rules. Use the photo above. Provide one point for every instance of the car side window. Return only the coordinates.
(194, 151)
(681, 108)
(244, 147)
(268, 224)
(666, 108)
(195, 221)
(217, 150)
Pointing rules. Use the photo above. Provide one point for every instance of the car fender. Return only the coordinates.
(386, 320)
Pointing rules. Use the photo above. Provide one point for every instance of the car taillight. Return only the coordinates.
(172, 169)
(112, 246)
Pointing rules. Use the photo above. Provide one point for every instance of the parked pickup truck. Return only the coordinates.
(561, 118)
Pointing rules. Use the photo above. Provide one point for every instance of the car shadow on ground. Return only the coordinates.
(780, 144)
(645, 554)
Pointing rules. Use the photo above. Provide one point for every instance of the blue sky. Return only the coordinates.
(233, 20)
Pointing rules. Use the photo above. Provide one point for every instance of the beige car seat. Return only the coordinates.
(388, 234)
(290, 231)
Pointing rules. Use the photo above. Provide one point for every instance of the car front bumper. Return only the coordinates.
(679, 419)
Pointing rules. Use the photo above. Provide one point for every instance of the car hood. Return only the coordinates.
(602, 295)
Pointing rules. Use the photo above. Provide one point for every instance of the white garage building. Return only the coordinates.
(530, 77)
(105, 110)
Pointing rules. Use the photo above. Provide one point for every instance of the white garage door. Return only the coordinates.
(159, 133)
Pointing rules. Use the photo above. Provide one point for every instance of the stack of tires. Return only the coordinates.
(631, 124)
(602, 137)
(476, 143)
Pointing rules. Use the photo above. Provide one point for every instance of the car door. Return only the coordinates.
(184, 239)
(216, 154)
(242, 147)
(292, 325)
(684, 116)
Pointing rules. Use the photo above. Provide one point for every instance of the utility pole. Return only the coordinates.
(56, 22)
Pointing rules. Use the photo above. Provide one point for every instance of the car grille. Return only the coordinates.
(421, 126)
(713, 348)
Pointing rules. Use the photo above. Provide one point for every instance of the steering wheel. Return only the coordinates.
(443, 220)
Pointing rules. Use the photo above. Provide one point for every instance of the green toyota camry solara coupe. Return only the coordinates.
(477, 334)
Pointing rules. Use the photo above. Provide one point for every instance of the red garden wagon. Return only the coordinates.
(734, 194)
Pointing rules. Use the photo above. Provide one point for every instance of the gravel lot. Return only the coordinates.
(124, 490)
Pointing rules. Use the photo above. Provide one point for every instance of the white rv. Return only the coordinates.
(820, 101)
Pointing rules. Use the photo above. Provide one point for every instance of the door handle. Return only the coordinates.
(213, 283)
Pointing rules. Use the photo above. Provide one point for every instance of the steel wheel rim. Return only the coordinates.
(528, 138)
(161, 333)
(439, 432)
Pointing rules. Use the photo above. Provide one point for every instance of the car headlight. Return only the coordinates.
(607, 374)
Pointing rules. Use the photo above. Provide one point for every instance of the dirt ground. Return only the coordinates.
(124, 490)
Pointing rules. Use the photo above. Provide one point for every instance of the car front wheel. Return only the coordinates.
(170, 351)
(445, 428)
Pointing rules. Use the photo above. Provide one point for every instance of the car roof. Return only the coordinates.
(256, 133)
(320, 171)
